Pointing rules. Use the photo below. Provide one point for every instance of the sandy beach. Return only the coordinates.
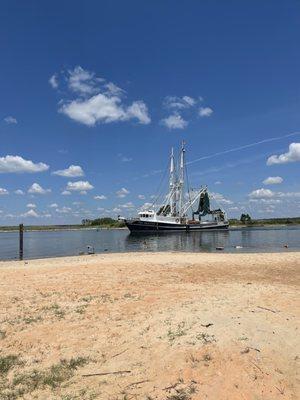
(173, 326)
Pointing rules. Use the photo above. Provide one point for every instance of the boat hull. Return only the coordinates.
(145, 226)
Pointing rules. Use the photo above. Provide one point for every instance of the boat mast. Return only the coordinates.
(172, 184)
(181, 178)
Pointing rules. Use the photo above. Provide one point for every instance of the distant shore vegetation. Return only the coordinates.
(109, 223)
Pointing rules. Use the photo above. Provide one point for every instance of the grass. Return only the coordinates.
(8, 362)
(206, 338)
(2, 334)
(180, 331)
(27, 382)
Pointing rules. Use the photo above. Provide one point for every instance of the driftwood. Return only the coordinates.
(118, 354)
(267, 309)
(137, 383)
(107, 373)
(207, 325)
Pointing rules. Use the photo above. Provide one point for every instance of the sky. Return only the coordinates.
(94, 95)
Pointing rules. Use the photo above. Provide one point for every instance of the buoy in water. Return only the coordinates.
(286, 246)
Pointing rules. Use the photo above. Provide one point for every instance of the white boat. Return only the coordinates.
(178, 212)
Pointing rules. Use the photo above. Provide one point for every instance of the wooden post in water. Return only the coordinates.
(21, 230)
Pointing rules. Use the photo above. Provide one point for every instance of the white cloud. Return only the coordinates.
(35, 188)
(146, 206)
(116, 210)
(53, 205)
(122, 192)
(19, 192)
(220, 198)
(31, 205)
(30, 213)
(99, 101)
(83, 192)
(292, 155)
(100, 197)
(103, 109)
(73, 171)
(174, 121)
(82, 81)
(3, 191)
(53, 81)
(141, 197)
(176, 102)
(17, 164)
(10, 120)
(218, 183)
(205, 111)
(63, 210)
(261, 194)
(79, 186)
(66, 193)
(127, 205)
(273, 180)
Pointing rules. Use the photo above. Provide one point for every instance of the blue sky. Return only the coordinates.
(107, 87)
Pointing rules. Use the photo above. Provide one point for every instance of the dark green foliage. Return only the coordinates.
(104, 222)
(245, 218)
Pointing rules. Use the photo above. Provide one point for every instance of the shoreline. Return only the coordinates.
(28, 229)
(206, 325)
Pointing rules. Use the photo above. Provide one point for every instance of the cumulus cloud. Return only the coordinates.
(261, 194)
(31, 205)
(17, 164)
(63, 210)
(103, 109)
(269, 194)
(205, 111)
(53, 81)
(273, 180)
(10, 120)
(19, 192)
(100, 197)
(99, 101)
(3, 191)
(53, 205)
(30, 213)
(79, 186)
(146, 206)
(73, 171)
(66, 193)
(220, 198)
(122, 192)
(176, 102)
(127, 205)
(174, 121)
(35, 188)
(141, 197)
(292, 155)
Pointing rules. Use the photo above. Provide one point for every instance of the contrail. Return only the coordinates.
(246, 146)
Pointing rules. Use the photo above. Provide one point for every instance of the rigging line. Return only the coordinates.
(246, 146)
(159, 190)
(188, 185)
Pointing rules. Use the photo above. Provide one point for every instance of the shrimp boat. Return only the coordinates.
(182, 209)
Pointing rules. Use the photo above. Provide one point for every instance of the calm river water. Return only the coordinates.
(68, 243)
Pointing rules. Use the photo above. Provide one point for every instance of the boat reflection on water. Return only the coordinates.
(175, 241)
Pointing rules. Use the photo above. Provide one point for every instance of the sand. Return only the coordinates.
(179, 325)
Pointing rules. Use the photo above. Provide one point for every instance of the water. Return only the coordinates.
(68, 243)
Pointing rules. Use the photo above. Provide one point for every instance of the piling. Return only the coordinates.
(21, 231)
